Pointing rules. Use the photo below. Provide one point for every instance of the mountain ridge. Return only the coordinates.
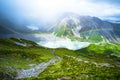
(76, 25)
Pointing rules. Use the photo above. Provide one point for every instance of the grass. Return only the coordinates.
(71, 69)
(19, 57)
(83, 64)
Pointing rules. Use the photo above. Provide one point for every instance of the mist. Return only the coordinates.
(42, 13)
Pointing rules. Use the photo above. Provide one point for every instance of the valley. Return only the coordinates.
(59, 39)
(97, 61)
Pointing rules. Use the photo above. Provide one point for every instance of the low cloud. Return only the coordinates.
(32, 27)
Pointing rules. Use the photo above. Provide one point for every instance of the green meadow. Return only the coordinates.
(96, 62)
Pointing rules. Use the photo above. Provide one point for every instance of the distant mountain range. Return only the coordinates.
(87, 26)
(73, 26)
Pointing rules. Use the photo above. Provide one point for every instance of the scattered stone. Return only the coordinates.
(86, 61)
(35, 70)
(104, 64)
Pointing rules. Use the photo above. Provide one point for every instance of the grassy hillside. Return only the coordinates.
(96, 62)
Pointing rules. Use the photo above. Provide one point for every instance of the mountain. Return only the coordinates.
(87, 28)
(22, 59)
(11, 28)
(16, 43)
(70, 25)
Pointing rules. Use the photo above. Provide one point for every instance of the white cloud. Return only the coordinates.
(52, 41)
(33, 27)
(50, 9)
(71, 45)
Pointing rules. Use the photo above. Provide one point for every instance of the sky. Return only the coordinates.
(34, 13)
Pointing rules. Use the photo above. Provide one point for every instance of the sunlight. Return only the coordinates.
(48, 10)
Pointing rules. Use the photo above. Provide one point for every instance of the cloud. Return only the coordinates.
(32, 27)
(50, 10)
(113, 2)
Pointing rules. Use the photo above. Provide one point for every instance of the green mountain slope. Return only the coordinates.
(96, 62)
